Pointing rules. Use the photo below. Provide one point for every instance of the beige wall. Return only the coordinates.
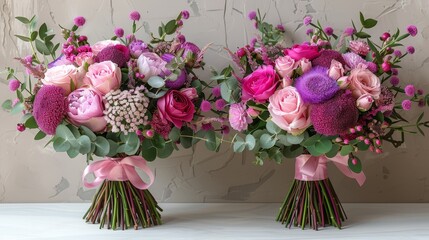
(30, 173)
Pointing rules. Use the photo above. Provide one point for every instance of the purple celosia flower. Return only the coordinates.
(316, 86)
(252, 15)
(135, 16)
(394, 80)
(397, 53)
(410, 90)
(205, 106)
(372, 67)
(412, 30)
(79, 21)
(325, 58)
(160, 125)
(353, 60)
(137, 48)
(179, 82)
(118, 54)
(49, 108)
(349, 31)
(14, 84)
(335, 116)
(329, 31)
(307, 20)
(185, 14)
(386, 101)
(119, 32)
(406, 105)
(410, 49)
(238, 117)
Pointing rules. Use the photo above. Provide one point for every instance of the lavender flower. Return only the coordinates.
(353, 60)
(316, 86)
(137, 48)
(412, 30)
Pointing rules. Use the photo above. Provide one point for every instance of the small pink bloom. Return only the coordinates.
(62, 76)
(135, 16)
(286, 81)
(363, 81)
(364, 102)
(84, 57)
(260, 84)
(336, 70)
(359, 47)
(176, 108)
(238, 117)
(288, 111)
(79, 21)
(191, 93)
(220, 104)
(14, 84)
(343, 82)
(298, 52)
(285, 66)
(305, 65)
(98, 46)
(252, 112)
(205, 106)
(104, 77)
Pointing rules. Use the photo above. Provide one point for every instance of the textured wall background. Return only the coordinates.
(31, 173)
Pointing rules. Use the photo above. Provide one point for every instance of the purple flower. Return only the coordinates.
(135, 16)
(394, 80)
(397, 53)
(185, 14)
(307, 20)
(14, 84)
(335, 116)
(137, 48)
(207, 127)
(349, 31)
(178, 83)
(220, 104)
(412, 30)
(372, 67)
(181, 38)
(119, 32)
(420, 92)
(216, 91)
(205, 106)
(394, 71)
(410, 90)
(316, 86)
(309, 31)
(406, 104)
(353, 60)
(410, 49)
(281, 28)
(118, 54)
(49, 108)
(329, 31)
(325, 58)
(79, 21)
(252, 15)
(238, 117)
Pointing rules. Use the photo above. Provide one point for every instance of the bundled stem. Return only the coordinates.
(311, 202)
(120, 204)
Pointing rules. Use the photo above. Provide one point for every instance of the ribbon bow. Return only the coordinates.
(118, 169)
(310, 168)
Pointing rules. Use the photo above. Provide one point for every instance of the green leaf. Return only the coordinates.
(102, 146)
(323, 145)
(170, 27)
(210, 142)
(47, 38)
(275, 154)
(131, 143)
(361, 18)
(88, 132)
(23, 19)
(295, 139)
(19, 95)
(346, 150)
(156, 82)
(267, 141)
(311, 140)
(84, 144)
(334, 151)
(33, 36)
(23, 38)
(313, 151)
(41, 47)
(282, 139)
(17, 108)
(357, 167)
(72, 152)
(420, 117)
(31, 123)
(292, 151)
(369, 23)
(148, 150)
(362, 35)
(42, 31)
(362, 146)
(113, 148)
(61, 144)
(158, 141)
(166, 151)
(239, 144)
(40, 135)
(64, 132)
(156, 95)
(186, 141)
(7, 105)
(273, 128)
(74, 130)
(250, 142)
(174, 134)
(225, 92)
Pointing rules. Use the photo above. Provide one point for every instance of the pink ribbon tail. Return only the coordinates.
(119, 169)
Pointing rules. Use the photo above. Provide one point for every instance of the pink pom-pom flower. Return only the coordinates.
(49, 108)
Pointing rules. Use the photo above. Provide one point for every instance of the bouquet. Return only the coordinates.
(319, 101)
(122, 99)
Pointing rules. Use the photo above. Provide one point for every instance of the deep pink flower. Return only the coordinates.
(298, 52)
(260, 84)
(329, 31)
(359, 47)
(397, 53)
(135, 16)
(325, 57)
(119, 32)
(14, 84)
(176, 108)
(307, 20)
(205, 106)
(406, 105)
(411, 49)
(220, 104)
(252, 15)
(394, 80)
(160, 125)
(238, 117)
(119, 54)
(79, 21)
(349, 31)
(372, 67)
(412, 30)
(216, 91)
(49, 108)
(185, 14)
(410, 90)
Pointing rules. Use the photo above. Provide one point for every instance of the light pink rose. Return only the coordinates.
(336, 70)
(363, 81)
(85, 57)
(104, 77)
(364, 102)
(285, 66)
(150, 64)
(286, 81)
(288, 111)
(98, 46)
(343, 82)
(305, 65)
(191, 93)
(176, 107)
(85, 107)
(62, 76)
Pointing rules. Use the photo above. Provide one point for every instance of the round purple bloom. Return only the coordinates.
(118, 54)
(181, 38)
(372, 67)
(79, 21)
(420, 92)
(207, 127)
(406, 104)
(220, 104)
(309, 31)
(135, 16)
(185, 14)
(205, 106)
(167, 57)
(411, 49)
(216, 91)
(316, 86)
(410, 90)
(281, 28)
(178, 83)
(412, 30)
(329, 31)
(349, 31)
(307, 20)
(325, 58)
(252, 15)
(253, 42)
(119, 32)
(14, 84)
(49, 108)
(137, 48)
(335, 116)
(394, 71)
(353, 60)
(397, 53)
(394, 80)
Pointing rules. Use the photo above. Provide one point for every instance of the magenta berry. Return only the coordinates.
(386, 66)
(385, 36)
(354, 161)
(20, 127)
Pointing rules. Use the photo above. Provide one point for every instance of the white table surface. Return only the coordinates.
(220, 221)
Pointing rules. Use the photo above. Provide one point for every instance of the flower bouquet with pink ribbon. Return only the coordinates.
(123, 99)
(320, 101)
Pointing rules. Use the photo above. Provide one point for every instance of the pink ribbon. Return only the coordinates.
(118, 169)
(310, 168)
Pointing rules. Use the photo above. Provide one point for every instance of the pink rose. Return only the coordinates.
(302, 51)
(364, 102)
(191, 93)
(336, 70)
(285, 66)
(98, 46)
(343, 82)
(287, 81)
(305, 65)
(260, 85)
(85, 107)
(150, 64)
(176, 107)
(104, 77)
(363, 81)
(238, 117)
(62, 76)
(84, 57)
(288, 111)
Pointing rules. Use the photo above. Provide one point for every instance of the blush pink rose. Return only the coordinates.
(85, 57)
(305, 65)
(363, 81)
(286, 81)
(298, 52)
(336, 70)
(260, 85)
(98, 46)
(285, 66)
(364, 102)
(343, 82)
(85, 107)
(288, 111)
(62, 76)
(176, 107)
(191, 93)
(104, 77)
(150, 64)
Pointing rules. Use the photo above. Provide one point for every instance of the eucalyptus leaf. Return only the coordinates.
(113, 148)
(158, 141)
(7, 105)
(295, 139)
(88, 132)
(346, 150)
(166, 151)
(40, 135)
(250, 142)
(84, 144)
(102, 146)
(267, 141)
(273, 128)
(156, 82)
(210, 142)
(61, 144)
